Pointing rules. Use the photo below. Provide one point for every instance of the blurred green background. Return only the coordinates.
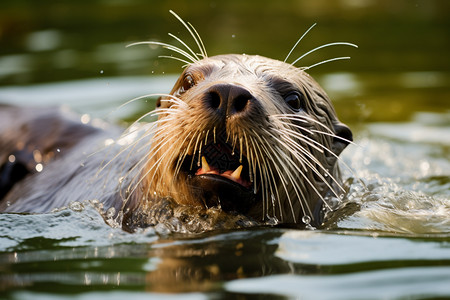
(402, 62)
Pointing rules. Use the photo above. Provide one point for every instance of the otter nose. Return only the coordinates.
(228, 99)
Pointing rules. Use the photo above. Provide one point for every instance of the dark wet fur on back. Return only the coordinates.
(57, 140)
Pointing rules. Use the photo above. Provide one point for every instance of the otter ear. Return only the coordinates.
(343, 137)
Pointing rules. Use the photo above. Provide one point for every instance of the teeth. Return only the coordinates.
(205, 165)
(237, 173)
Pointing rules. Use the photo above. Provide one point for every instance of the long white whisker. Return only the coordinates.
(272, 182)
(285, 132)
(182, 157)
(306, 139)
(334, 136)
(123, 150)
(258, 164)
(323, 46)
(156, 112)
(292, 164)
(301, 158)
(295, 46)
(154, 166)
(151, 143)
(283, 181)
(310, 165)
(173, 98)
(202, 46)
(300, 118)
(199, 45)
(286, 166)
(281, 162)
(185, 45)
(176, 58)
(300, 136)
(329, 133)
(325, 61)
(169, 47)
(130, 101)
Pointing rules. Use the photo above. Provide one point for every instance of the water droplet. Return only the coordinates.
(101, 71)
(110, 212)
(97, 205)
(306, 219)
(39, 168)
(8, 203)
(271, 220)
(233, 36)
(109, 142)
(85, 118)
(76, 206)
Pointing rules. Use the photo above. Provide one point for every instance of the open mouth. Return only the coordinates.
(220, 176)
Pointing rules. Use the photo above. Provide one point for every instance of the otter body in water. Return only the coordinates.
(245, 134)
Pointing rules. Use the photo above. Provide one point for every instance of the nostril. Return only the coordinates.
(240, 102)
(227, 99)
(214, 99)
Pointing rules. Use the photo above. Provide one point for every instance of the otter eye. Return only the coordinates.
(188, 82)
(295, 101)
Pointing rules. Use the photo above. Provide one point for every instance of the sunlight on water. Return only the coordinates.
(315, 248)
(73, 227)
(414, 283)
(334, 253)
(98, 97)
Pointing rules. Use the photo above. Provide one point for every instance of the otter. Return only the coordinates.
(241, 134)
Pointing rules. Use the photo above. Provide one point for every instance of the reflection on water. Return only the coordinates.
(260, 261)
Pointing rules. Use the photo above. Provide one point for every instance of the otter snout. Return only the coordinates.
(229, 100)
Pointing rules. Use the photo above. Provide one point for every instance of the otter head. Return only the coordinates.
(247, 134)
